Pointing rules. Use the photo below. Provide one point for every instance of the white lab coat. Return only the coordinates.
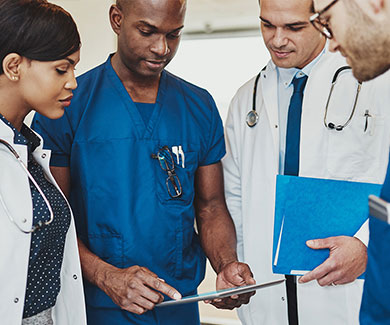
(252, 163)
(15, 245)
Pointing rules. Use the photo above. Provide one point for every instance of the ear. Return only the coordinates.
(377, 5)
(11, 66)
(116, 18)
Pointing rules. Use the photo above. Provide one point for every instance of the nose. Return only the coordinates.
(279, 40)
(160, 46)
(71, 83)
(333, 45)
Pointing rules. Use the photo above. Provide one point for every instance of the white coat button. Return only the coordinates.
(75, 276)
(16, 300)
(24, 220)
(43, 156)
(282, 298)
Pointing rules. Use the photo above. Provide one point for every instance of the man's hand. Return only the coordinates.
(135, 289)
(347, 260)
(234, 274)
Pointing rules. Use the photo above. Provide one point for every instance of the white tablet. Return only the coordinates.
(219, 294)
(379, 208)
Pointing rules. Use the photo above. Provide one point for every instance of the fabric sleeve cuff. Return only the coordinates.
(59, 160)
(363, 233)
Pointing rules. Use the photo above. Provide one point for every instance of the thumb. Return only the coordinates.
(318, 243)
(246, 274)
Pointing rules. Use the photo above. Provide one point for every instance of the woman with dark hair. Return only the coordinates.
(40, 276)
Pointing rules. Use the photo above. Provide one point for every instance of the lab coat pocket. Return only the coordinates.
(109, 247)
(176, 187)
(355, 152)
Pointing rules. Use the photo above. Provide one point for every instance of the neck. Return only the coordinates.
(315, 54)
(140, 88)
(11, 106)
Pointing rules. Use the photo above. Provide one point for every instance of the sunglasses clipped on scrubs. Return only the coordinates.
(40, 224)
(322, 24)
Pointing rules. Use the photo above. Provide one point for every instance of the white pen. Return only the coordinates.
(175, 151)
(181, 153)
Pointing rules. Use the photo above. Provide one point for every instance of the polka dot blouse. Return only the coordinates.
(47, 243)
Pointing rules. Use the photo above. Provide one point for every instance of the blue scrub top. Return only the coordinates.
(122, 208)
(375, 309)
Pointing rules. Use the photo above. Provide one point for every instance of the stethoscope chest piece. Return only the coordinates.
(251, 118)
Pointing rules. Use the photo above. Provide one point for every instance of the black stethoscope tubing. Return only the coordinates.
(253, 117)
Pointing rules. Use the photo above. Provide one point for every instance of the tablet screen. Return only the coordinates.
(219, 294)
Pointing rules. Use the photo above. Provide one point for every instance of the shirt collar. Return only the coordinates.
(286, 76)
(25, 137)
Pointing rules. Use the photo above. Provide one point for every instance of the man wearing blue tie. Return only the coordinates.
(303, 129)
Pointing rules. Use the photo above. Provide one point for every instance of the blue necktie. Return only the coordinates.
(293, 136)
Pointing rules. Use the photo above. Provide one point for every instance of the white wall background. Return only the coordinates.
(221, 65)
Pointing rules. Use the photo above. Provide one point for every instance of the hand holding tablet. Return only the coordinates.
(219, 294)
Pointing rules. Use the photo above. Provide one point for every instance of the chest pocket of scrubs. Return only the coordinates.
(355, 152)
(184, 169)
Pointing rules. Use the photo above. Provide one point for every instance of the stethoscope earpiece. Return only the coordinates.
(331, 126)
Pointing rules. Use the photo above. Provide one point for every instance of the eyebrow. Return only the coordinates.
(155, 28)
(295, 24)
(72, 62)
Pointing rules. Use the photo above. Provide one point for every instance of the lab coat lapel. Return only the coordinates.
(269, 90)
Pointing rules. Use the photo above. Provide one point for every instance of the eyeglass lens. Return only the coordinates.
(167, 164)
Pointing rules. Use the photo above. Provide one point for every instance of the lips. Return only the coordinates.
(66, 102)
(155, 64)
(281, 54)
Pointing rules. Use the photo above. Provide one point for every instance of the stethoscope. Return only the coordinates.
(40, 224)
(331, 125)
(253, 117)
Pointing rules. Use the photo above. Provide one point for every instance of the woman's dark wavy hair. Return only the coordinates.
(37, 30)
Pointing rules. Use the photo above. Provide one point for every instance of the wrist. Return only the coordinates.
(224, 263)
(100, 274)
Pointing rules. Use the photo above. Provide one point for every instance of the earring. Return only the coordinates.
(14, 78)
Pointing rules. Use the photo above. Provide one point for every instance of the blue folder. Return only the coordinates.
(312, 208)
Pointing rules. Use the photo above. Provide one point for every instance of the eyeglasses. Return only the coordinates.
(40, 224)
(322, 24)
(167, 164)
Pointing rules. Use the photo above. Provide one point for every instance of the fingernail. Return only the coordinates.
(310, 242)
(177, 296)
(162, 280)
(218, 300)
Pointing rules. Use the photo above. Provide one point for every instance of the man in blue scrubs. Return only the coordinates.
(360, 30)
(138, 153)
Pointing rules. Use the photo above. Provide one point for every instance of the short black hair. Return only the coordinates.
(37, 30)
(311, 7)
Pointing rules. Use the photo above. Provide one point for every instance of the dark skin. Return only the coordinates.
(148, 36)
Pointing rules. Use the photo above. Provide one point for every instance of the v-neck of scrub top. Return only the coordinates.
(146, 110)
(144, 130)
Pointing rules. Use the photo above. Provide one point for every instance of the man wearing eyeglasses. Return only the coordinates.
(360, 30)
(138, 153)
(303, 129)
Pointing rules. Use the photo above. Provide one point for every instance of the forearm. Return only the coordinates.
(218, 236)
(93, 268)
